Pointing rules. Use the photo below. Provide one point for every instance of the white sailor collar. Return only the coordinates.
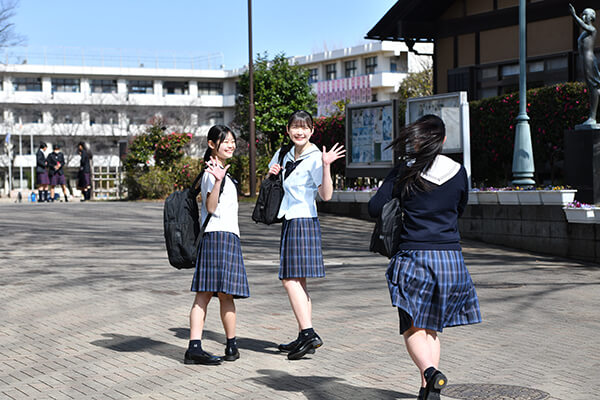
(442, 170)
(305, 154)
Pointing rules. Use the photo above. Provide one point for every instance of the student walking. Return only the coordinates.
(427, 278)
(56, 162)
(84, 182)
(41, 170)
(306, 172)
(220, 267)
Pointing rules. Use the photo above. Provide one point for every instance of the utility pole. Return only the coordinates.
(251, 111)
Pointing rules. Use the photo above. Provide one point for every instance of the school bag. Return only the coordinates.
(385, 238)
(181, 227)
(270, 195)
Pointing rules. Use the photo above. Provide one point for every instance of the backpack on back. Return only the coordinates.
(270, 195)
(182, 229)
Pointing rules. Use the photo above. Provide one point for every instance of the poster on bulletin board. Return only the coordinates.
(370, 129)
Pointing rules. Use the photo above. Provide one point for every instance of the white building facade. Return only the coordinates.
(107, 106)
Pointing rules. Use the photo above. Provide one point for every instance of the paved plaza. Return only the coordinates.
(91, 309)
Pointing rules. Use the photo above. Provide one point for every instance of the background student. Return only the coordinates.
(427, 278)
(306, 173)
(220, 267)
(41, 170)
(56, 162)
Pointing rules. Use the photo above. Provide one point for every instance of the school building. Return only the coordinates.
(476, 42)
(71, 99)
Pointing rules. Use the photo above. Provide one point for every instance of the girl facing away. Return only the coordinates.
(427, 278)
(306, 172)
(220, 267)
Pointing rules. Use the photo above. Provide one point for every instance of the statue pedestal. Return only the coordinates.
(582, 163)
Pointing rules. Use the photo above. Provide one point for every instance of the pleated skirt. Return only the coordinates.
(301, 255)
(220, 266)
(432, 289)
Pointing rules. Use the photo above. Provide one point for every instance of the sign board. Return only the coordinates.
(453, 109)
(370, 129)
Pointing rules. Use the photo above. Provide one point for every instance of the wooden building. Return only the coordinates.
(476, 42)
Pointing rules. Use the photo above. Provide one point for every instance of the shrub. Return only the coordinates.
(551, 109)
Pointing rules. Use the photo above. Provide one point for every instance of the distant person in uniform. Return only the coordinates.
(56, 162)
(586, 42)
(84, 182)
(41, 170)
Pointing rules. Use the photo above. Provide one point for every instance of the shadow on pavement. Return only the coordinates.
(323, 387)
(124, 343)
(257, 345)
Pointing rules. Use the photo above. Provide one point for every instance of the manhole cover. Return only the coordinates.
(474, 391)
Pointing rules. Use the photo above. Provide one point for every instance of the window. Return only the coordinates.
(27, 84)
(25, 116)
(139, 118)
(176, 88)
(491, 72)
(65, 85)
(393, 66)
(374, 97)
(216, 117)
(67, 117)
(558, 63)
(140, 87)
(314, 75)
(110, 117)
(330, 72)
(537, 66)
(370, 65)
(210, 88)
(103, 86)
(510, 70)
(350, 69)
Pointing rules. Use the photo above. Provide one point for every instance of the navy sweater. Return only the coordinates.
(430, 218)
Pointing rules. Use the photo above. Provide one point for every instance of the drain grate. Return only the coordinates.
(475, 391)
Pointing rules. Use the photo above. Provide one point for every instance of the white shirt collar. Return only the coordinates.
(442, 170)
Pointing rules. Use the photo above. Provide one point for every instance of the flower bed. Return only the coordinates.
(581, 213)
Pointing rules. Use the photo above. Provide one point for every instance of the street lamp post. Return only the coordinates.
(252, 143)
(523, 167)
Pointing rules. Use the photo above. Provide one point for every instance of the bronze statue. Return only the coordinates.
(586, 43)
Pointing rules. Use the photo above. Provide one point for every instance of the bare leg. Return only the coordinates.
(423, 346)
(228, 316)
(198, 314)
(52, 192)
(299, 300)
(65, 191)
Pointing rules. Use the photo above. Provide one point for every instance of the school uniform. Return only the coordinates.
(300, 248)
(220, 265)
(427, 279)
(41, 168)
(83, 181)
(57, 176)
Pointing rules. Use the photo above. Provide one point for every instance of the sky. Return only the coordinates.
(199, 27)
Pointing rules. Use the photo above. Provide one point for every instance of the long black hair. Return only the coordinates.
(217, 134)
(419, 143)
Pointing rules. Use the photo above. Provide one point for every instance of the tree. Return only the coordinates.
(416, 84)
(279, 89)
(8, 36)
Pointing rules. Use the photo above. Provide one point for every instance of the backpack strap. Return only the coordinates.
(205, 224)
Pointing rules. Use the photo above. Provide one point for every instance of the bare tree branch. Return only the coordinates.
(8, 35)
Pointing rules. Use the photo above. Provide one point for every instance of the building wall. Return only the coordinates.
(445, 62)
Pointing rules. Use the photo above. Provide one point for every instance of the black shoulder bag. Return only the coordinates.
(270, 195)
(385, 238)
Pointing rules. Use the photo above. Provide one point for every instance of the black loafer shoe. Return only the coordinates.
(435, 383)
(304, 345)
(231, 354)
(201, 357)
(287, 347)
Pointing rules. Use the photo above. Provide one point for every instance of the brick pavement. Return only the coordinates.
(90, 308)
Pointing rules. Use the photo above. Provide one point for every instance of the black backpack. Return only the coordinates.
(385, 238)
(182, 229)
(270, 195)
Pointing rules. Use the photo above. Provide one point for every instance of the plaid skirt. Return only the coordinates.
(57, 180)
(432, 289)
(300, 249)
(43, 179)
(220, 266)
(83, 180)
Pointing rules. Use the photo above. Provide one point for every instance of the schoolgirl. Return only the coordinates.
(84, 182)
(306, 172)
(41, 169)
(220, 267)
(427, 278)
(56, 162)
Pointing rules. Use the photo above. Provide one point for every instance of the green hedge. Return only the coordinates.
(551, 109)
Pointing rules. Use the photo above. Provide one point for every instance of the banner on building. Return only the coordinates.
(355, 90)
